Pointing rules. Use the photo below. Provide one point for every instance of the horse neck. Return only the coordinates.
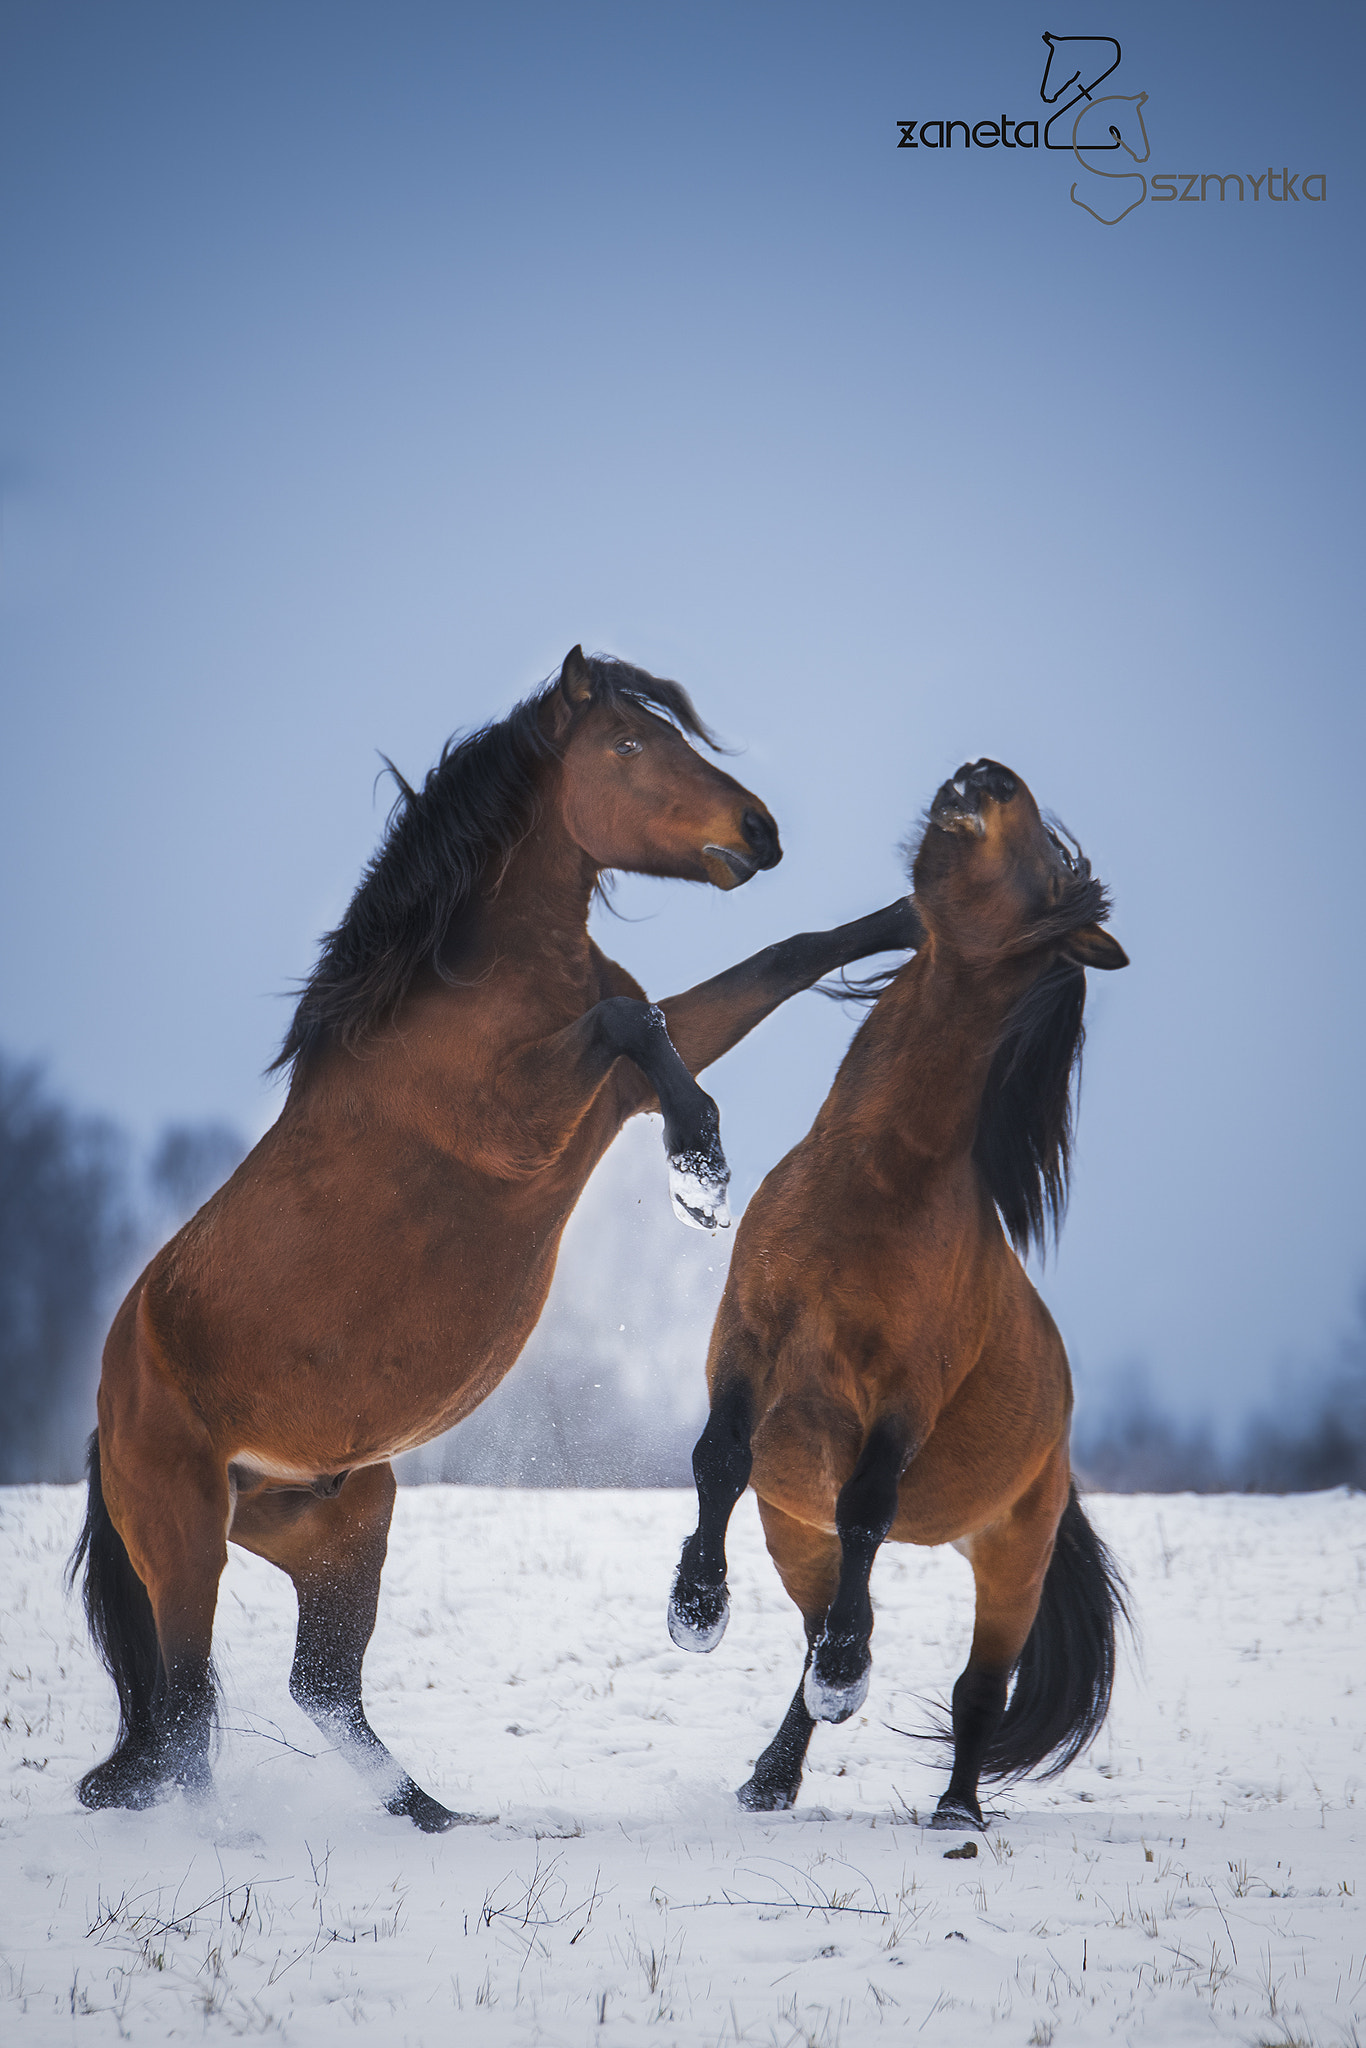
(533, 908)
(918, 1068)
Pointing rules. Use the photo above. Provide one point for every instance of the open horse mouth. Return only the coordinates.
(957, 805)
(738, 866)
(761, 836)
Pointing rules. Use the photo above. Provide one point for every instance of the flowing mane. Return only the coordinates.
(439, 842)
(1024, 1132)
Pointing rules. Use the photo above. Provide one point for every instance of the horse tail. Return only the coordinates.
(121, 1623)
(1066, 1670)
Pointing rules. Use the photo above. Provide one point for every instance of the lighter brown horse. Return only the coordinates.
(881, 1366)
(462, 1056)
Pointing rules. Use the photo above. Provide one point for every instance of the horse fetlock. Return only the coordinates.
(339, 1710)
(836, 1682)
(698, 1614)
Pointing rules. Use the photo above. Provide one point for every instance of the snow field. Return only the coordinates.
(1193, 1879)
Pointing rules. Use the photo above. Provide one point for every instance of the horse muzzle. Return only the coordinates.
(957, 805)
(762, 850)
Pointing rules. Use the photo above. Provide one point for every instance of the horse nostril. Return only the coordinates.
(761, 836)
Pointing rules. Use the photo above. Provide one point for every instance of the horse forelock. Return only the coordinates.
(613, 679)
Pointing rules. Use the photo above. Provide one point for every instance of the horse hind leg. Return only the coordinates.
(123, 1627)
(154, 1547)
(1048, 1597)
(333, 1548)
(699, 1605)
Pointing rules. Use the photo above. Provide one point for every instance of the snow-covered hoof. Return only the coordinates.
(697, 1619)
(697, 1188)
(759, 1798)
(830, 1696)
(953, 1816)
(410, 1802)
(128, 1778)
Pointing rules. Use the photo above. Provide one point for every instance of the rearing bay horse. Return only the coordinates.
(880, 1365)
(462, 1056)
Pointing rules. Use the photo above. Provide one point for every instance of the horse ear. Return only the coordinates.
(1092, 947)
(576, 682)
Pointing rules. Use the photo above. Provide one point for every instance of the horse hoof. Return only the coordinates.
(122, 1782)
(698, 1191)
(830, 1699)
(697, 1621)
(956, 1816)
(426, 1813)
(757, 1798)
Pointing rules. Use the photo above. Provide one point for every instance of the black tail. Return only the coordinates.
(120, 1617)
(1067, 1669)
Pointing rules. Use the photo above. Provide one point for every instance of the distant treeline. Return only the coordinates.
(78, 1214)
(1129, 1445)
(609, 1392)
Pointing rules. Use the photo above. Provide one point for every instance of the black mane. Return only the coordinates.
(475, 806)
(1025, 1128)
(1024, 1131)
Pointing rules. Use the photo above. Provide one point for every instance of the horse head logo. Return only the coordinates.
(1080, 62)
(1116, 122)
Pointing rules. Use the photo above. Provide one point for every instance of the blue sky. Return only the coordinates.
(357, 361)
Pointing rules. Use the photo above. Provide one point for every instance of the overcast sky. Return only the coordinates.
(358, 360)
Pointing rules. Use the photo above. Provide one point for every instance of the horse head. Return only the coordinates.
(633, 794)
(994, 880)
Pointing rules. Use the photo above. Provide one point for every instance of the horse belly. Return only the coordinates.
(311, 1342)
(986, 1450)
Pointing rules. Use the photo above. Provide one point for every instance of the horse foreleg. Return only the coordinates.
(708, 1020)
(699, 1605)
(545, 1089)
(698, 1173)
(837, 1676)
(334, 1551)
(777, 1777)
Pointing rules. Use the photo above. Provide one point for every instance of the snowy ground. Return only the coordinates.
(1194, 1879)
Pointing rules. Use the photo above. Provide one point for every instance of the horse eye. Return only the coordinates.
(627, 746)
